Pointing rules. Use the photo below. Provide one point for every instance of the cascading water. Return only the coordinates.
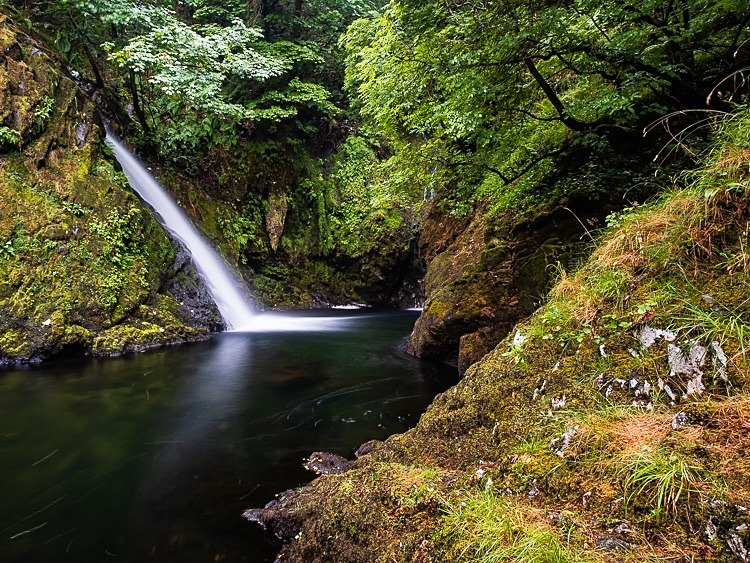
(225, 289)
(224, 286)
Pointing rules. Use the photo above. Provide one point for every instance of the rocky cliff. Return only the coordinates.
(83, 265)
(486, 272)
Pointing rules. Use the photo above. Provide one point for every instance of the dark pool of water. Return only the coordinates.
(154, 457)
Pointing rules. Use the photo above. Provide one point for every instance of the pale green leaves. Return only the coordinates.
(279, 104)
(194, 63)
(495, 91)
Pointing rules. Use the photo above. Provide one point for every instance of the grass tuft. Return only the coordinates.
(659, 480)
(484, 528)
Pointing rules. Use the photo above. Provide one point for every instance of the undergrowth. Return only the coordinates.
(490, 529)
(654, 446)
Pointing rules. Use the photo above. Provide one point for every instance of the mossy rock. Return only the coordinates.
(485, 277)
(79, 254)
(577, 435)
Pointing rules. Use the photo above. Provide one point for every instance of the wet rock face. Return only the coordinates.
(275, 518)
(195, 303)
(483, 275)
(278, 206)
(84, 267)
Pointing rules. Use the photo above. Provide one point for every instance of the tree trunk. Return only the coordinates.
(254, 10)
(136, 102)
(569, 122)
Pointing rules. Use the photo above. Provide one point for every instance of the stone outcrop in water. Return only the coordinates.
(483, 275)
(83, 266)
(326, 463)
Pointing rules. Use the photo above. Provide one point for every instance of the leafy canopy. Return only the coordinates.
(487, 97)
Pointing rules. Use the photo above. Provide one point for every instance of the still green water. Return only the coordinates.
(155, 456)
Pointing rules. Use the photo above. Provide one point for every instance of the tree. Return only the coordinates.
(492, 94)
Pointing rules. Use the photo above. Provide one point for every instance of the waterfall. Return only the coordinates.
(223, 284)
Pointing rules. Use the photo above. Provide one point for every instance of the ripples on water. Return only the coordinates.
(155, 456)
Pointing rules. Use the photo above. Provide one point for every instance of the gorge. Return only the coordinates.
(226, 291)
(562, 186)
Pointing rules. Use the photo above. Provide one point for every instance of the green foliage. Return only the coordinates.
(484, 528)
(43, 111)
(13, 244)
(9, 136)
(619, 218)
(364, 211)
(74, 208)
(121, 235)
(276, 105)
(191, 63)
(464, 94)
(210, 11)
(199, 75)
(659, 480)
(245, 229)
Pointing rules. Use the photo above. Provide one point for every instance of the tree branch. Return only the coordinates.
(549, 92)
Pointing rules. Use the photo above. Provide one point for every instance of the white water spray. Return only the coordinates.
(225, 288)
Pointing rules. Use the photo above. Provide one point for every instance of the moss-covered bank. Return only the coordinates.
(486, 272)
(83, 265)
(612, 425)
(490, 264)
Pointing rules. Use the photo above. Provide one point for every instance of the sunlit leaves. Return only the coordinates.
(193, 63)
(279, 104)
(484, 81)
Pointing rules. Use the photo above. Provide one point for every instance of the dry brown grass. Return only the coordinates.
(726, 438)
(684, 234)
(734, 159)
(584, 306)
(618, 433)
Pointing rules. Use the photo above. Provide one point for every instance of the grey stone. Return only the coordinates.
(612, 543)
(680, 419)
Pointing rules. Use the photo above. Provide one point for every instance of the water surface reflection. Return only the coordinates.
(154, 457)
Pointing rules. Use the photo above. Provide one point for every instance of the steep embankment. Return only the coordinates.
(493, 268)
(614, 423)
(484, 274)
(82, 264)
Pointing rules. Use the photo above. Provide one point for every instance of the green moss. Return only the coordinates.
(78, 253)
(153, 324)
(438, 308)
(568, 428)
(13, 343)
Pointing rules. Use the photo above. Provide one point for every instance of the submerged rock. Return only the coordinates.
(274, 518)
(367, 448)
